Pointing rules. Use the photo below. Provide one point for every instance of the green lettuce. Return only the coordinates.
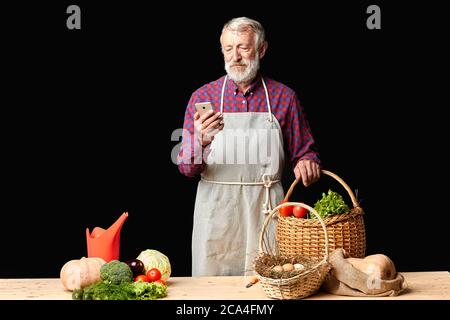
(149, 290)
(330, 204)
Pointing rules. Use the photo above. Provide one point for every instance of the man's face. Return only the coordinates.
(240, 55)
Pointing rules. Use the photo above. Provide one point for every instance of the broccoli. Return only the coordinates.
(116, 272)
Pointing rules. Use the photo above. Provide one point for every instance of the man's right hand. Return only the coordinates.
(207, 126)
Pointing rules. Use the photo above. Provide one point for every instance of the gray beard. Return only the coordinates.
(247, 75)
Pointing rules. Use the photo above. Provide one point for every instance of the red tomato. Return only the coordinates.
(286, 211)
(162, 282)
(300, 212)
(142, 277)
(154, 274)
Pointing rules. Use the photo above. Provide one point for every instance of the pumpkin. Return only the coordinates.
(77, 274)
(374, 265)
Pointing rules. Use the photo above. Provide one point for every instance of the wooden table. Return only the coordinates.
(421, 286)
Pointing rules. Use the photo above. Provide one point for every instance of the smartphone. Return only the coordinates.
(203, 107)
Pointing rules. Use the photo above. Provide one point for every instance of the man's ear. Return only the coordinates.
(262, 50)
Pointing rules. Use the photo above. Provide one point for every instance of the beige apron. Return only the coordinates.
(236, 191)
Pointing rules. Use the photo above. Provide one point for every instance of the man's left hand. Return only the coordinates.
(308, 171)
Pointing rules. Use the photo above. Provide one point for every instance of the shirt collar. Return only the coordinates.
(254, 85)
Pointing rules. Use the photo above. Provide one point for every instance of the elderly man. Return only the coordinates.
(233, 198)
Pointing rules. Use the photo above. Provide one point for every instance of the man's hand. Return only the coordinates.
(207, 126)
(308, 171)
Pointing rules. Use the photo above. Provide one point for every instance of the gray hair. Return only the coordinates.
(242, 24)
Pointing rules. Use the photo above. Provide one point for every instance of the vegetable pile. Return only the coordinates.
(331, 203)
(116, 280)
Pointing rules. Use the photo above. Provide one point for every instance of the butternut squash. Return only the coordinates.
(375, 265)
(77, 274)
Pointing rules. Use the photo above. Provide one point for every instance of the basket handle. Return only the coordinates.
(337, 178)
(285, 204)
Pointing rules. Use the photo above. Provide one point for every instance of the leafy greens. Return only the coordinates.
(330, 204)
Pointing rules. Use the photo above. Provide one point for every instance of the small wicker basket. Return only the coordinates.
(306, 237)
(300, 285)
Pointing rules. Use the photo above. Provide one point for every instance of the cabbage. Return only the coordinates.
(155, 259)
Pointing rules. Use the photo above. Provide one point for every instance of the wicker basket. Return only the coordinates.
(301, 285)
(306, 236)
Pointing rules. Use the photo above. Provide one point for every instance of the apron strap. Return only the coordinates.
(268, 101)
(266, 182)
(265, 90)
(223, 91)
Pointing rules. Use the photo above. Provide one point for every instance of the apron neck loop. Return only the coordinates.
(268, 101)
(265, 90)
(223, 91)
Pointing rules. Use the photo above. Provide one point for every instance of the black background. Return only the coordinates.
(87, 117)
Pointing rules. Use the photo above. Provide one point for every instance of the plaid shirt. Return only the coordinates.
(285, 107)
